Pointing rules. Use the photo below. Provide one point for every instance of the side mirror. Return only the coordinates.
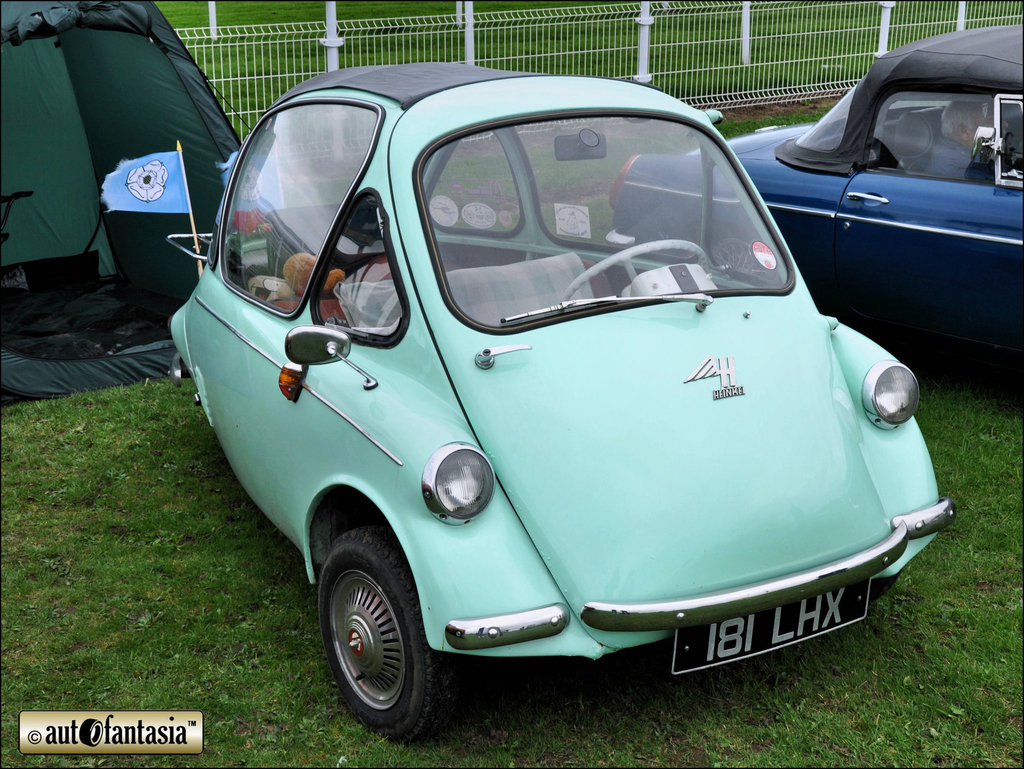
(310, 345)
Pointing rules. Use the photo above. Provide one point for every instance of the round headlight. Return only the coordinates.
(457, 482)
(890, 394)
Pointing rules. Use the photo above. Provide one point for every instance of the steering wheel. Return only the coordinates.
(628, 253)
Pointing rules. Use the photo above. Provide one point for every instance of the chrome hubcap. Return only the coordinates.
(367, 640)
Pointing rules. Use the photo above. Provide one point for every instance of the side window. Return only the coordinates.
(293, 177)
(933, 134)
(357, 290)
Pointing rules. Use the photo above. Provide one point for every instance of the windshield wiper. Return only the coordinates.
(700, 300)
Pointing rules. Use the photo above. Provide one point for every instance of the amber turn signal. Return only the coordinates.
(290, 381)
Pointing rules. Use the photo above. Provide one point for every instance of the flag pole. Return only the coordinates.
(188, 200)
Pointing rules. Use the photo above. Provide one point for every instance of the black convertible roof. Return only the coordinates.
(984, 60)
(405, 83)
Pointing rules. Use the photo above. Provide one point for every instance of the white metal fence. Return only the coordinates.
(711, 54)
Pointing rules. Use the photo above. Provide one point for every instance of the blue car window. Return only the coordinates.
(933, 134)
(828, 132)
(294, 175)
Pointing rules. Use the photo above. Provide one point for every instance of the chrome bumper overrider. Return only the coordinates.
(726, 604)
(504, 629)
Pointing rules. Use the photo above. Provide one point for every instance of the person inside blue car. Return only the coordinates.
(951, 155)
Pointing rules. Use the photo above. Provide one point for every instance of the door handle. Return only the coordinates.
(485, 358)
(867, 197)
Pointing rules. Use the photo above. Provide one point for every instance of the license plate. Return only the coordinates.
(705, 646)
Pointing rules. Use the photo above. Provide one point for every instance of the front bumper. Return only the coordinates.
(726, 604)
(500, 630)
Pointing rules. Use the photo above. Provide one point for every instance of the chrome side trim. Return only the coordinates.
(726, 604)
(504, 629)
(934, 230)
(799, 210)
(899, 225)
(359, 428)
(928, 520)
(224, 322)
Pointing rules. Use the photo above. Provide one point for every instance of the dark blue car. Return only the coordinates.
(903, 205)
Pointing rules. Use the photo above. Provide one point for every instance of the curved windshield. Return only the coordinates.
(827, 133)
(541, 219)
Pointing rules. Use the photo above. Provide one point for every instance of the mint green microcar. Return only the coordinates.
(501, 412)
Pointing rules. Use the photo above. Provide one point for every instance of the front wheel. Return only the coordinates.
(373, 635)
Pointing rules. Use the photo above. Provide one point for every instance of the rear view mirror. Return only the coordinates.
(585, 145)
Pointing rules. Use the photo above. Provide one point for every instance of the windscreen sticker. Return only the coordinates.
(573, 221)
(444, 211)
(479, 215)
(764, 255)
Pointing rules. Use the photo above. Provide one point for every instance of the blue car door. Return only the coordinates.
(938, 254)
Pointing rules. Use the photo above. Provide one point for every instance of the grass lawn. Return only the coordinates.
(138, 575)
(196, 14)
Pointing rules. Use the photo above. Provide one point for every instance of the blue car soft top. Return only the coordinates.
(985, 60)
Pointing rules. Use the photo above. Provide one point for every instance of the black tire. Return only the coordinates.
(373, 635)
(882, 585)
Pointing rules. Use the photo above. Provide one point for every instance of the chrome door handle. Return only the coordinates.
(485, 358)
(867, 197)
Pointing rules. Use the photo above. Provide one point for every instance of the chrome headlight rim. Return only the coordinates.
(435, 501)
(870, 396)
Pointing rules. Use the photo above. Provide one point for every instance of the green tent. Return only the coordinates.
(86, 291)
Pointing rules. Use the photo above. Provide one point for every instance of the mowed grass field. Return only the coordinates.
(138, 575)
(197, 14)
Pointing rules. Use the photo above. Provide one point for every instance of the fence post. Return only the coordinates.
(332, 42)
(212, 8)
(643, 53)
(745, 34)
(470, 35)
(961, 16)
(883, 26)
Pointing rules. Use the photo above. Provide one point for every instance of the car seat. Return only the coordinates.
(488, 294)
(911, 140)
